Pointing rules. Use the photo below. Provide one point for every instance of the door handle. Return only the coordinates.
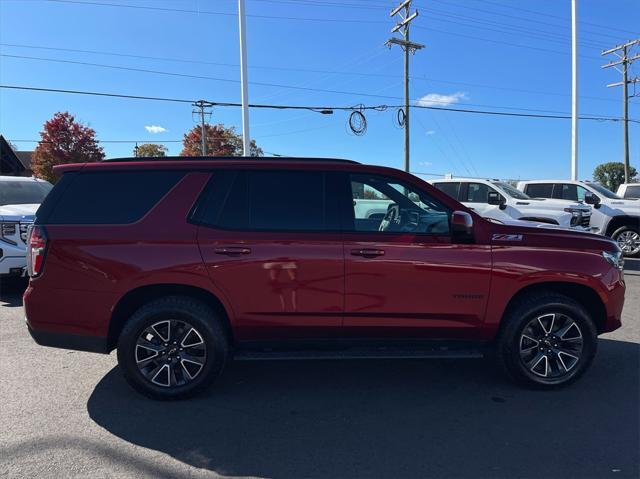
(232, 250)
(367, 252)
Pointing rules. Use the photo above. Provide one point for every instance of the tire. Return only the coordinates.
(527, 351)
(628, 238)
(173, 348)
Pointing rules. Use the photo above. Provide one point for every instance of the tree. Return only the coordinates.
(221, 141)
(611, 175)
(150, 150)
(63, 140)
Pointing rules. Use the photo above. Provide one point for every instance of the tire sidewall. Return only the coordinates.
(216, 350)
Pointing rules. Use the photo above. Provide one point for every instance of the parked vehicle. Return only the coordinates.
(260, 258)
(502, 202)
(19, 200)
(612, 216)
(629, 191)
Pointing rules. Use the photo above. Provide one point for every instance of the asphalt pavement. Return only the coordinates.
(66, 414)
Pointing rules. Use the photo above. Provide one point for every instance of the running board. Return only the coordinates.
(441, 352)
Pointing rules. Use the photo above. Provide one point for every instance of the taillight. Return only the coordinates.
(36, 249)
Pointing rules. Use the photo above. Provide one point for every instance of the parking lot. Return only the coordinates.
(70, 414)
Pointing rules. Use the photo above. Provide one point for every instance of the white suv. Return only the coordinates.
(501, 201)
(19, 199)
(612, 216)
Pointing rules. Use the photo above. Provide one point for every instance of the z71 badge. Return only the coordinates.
(506, 237)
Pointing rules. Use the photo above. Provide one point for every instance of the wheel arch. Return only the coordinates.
(135, 298)
(619, 221)
(583, 294)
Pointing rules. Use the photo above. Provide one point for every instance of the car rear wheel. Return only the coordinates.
(547, 340)
(172, 348)
(628, 239)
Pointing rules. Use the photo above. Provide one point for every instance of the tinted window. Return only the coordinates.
(632, 192)
(567, 192)
(386, 205)
(117, 197)
(477, 193)
(539, 190)
(270, 201)
(511, 191)
(209, 207)
(450, 189)
(23, 192)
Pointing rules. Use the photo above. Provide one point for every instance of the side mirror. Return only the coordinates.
(462, 226)
(591, 199)
(496, 199)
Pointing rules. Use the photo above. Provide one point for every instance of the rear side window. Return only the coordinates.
(270, 200)
(117, 197)
(450, 189)
(632, 192)
(539, 190)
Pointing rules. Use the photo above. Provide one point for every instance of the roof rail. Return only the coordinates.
(226, 158)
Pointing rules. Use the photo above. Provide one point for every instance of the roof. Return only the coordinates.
(222, 158)
(21, 179)
(25, 158)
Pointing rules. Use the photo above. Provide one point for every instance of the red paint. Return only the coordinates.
(309, 285)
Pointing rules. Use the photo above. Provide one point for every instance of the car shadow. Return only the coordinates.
(11, 290)
(390, 418)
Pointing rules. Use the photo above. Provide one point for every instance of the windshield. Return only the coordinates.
(604, 192)
(23, 192)
(511, 191)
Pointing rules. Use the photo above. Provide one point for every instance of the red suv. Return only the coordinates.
(182, 264)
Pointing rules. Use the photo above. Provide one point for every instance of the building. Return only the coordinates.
(14, 163)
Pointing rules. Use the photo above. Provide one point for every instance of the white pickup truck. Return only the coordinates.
(19, 199)
(629, 191)
(612, 216)
(502, 202)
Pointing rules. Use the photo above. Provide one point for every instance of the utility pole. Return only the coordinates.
(244, 80)
(624, 60)
(408, 47)
(203, 110)
(574, 90)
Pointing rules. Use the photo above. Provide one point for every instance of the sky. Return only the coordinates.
(495, 55)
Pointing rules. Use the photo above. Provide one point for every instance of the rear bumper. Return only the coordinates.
(92, 344)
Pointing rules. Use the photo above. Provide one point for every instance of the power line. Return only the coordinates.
(317, 109)
(276, 85)
(303, 70)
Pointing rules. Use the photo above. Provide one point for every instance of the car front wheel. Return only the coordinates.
(628, 239)
(172, 348)
(547, 340)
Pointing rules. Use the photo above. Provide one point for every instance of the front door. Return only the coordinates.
(270, 241)
(405, 278)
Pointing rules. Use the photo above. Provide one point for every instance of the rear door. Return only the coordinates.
(271, 244)
(405, 278)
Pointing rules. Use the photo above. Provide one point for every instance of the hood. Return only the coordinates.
(18, 212)
(629, 207)
(530, 234)
(552, 204)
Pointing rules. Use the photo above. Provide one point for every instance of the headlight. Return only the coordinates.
(574, 211)
(615, 258)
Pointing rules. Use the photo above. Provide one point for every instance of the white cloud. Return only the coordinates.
(155, 129)
(430, 132)
(425, 163)
(436, 99)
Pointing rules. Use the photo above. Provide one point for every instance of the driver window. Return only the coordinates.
(581, 193)
(385, 205)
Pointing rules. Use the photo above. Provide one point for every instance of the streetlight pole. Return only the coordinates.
(244, 80)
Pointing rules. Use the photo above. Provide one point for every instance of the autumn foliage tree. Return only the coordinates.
(64, 140)
(150, 150)
(221, 141)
